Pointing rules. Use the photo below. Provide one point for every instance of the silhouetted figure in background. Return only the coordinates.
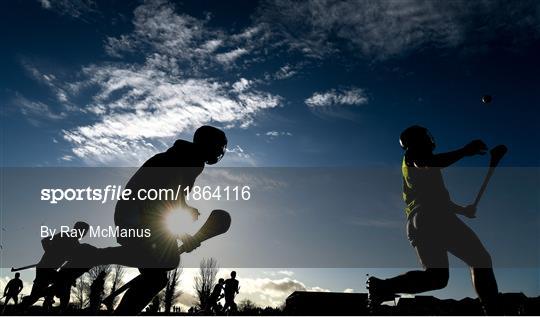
(12, 290)
(96, 292)
(155, 255)
(215, 297)
(433, 227)
(57, 251)
(231, 289)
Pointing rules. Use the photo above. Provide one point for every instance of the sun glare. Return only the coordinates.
(178, 222)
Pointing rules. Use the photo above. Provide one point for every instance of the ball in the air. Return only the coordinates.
(486, 99)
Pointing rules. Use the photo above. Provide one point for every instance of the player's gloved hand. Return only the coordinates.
(475, 147)
(189, 243)
(194, 213)
(469, 211)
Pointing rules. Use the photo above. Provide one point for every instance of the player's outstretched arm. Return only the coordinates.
(476, 147)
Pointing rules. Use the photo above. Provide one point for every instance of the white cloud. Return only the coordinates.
(36, 111)
(285, 72)
(140, 107)
(238, 150)
(278, 273)
(241, 85)
(212, 45)
(275, 134)
(337, 97)
(318, 289)
(157, 24)
(287, 273)
(238, 155)
(160, 28)
(73, 8)
(154, 106)
(235, 176)
(46, 4)
(248, 33)
(231, 56)
(272, 292)
(48, 80)
(383, 29)
(67, 158)
(115, 46)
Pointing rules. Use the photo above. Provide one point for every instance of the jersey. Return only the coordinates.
(178, 166)
(423, 187)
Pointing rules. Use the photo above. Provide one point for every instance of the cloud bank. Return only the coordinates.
(139, 108)
(380, 30)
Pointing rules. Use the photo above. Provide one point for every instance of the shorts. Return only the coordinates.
(434, 234)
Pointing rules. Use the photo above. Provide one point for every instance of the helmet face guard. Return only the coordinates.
(217, 155)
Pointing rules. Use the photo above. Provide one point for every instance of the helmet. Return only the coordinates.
(81, 225)
(212, 141)
(416, 137)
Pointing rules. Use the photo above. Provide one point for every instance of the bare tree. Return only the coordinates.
(206, 280)
(172, 293)
(79, 293)
(94, 272)
(82, 290)
(97, 288)
(117, 280)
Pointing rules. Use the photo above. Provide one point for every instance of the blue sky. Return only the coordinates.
(314, 84)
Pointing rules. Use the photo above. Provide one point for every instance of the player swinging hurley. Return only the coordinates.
(433, 227)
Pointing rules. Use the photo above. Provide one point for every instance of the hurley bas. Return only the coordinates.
(95, 232)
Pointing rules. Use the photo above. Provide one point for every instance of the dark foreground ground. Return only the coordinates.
(317, 303)
(311, 303)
